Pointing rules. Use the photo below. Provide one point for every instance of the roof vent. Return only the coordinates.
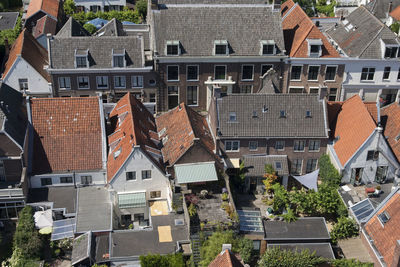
(254, 114)
(117, 153)
(308, 114)
(397, 138)
(265, 109)
(282, 114)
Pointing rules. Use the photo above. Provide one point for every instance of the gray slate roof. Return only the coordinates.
(363, 40)
(381, 7)
(198, 26)
(270, 124)
(62, 51)
(255, 164)
(94, 212)
(8, 20)
(72, 28)
(12, 114)
(81, 248)
(62, 197)
(308, 228)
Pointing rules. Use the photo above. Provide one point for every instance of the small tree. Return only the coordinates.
(276, 257)
(141, 7)
(270, 177)
(192, 210)
(155, 260)
(90, 28)
(344, 228)
(69, 7)
(350, 263)
(328, 173)
(245, 247)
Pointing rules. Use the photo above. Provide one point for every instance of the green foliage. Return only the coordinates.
(395, 27)
(26, 237)
(276, 257)
(103, 265)
(327, 171)
(141, 8)
(4, 5)
(18, 260)
(69, 7)
(290, 216)
(10, 34)
(307, 6)
(225, 196)
(125, 15)
(344, 228)
(327, 10)
(192, 210)
(154, 260)
(213, 245)
(15, 3)
(350, 263)
(281, 198)
(90, 28)
(269, 169)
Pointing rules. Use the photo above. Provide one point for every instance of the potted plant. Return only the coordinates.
(225, 197)
(377, 190)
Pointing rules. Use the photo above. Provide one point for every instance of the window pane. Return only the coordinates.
(268, 49)
(220, 49)
(247, 72)
(220, 72)
(296, 73)
(173, 73)
(330, 73)
(137, 81)
(313, 73)
(192, 73)
(192, 95)
(172, 50)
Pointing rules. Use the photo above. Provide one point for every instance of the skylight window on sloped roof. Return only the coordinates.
(232, 116)
(117, 153)
(384, 217)
(122, 117)
(282, 114)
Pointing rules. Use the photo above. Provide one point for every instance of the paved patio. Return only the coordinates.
(353, 248)
(210, 209)
(356, 194)
(251, 202)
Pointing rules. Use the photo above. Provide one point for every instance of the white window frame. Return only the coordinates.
(252, 72)
(368, 72)
(276, 168)
(168, 95)
(291, 72)
(145, 179)
(315, 42)
(308, 73)
(226, 72)
(316, 164)
(197, 96)
(232, 114)
(88, 179)
(187, 73)
(168, 73)
(319, 145)
(65, 78)
(137, 79)
(301, 166)
(313, 87)
(97, 82)
(304, 145)
(25, 84)
(267, 42)
(130, 180)
(86, 56)
(254, 149)
(296, 87)
(115, 83)
(88, 80)
(232, 141)
(275, 146)
(172, 42)
(118, 55)
(383, 73)
(221, 42)
(331, 66)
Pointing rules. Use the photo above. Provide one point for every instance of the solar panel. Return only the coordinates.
(63, 229)
(362, 209)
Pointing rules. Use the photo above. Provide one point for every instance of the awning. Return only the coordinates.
(309, 180)
(132, 200)
(195, 172)
(43, 219)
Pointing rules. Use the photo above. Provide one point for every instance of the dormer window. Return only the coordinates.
(314, 47)
(232, 116)
(282, 114)
(391, 52)
(268, 47)
(390, 48)
(118, 58)
(221, 48)
(173, 48)
(81, 58)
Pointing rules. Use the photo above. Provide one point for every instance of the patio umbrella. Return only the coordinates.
(43, 219)
(97, 22)
(309, 180)
(46, 230)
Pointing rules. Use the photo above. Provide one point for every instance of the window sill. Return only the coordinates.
(280, 150)
(298, 151)
(87, 88)
(196, 105)
(137, 87)
(313, 151)
(172, 80)
(102, 88)
(192, 80)
(120, 87)
(63, 89)
(253, 150)
(367, 81)
(247, 80)
(312, 80)
(330, 81)
(295, 80)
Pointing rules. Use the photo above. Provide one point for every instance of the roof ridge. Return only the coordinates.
(132, 118)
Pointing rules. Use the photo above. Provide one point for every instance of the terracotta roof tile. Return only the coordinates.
(391, 120)
(179, 128)
(44, 25)
(50, 7)
(225, 259)
(354, 125)
(68, 134)
(297, 28)
(395, 13)
(29, 49)
(385, 237)
(133, 125)
(373, 111)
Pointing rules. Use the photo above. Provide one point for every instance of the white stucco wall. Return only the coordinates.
(98, 178)
(102, 3)
(139, 162)
(369, 167)
(21, 69)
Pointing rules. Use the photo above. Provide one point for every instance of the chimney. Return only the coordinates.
(390, 8)
(226, 247)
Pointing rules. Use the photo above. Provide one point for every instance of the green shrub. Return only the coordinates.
(141, 7)
(327, 172)
(290, 216)
(275, 257)
(344, 228)
(192, 210)
(69, 7)
(154, 260)
(350, 263)
(90, 28)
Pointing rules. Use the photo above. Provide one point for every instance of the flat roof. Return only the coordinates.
(8, 20)
(60, 196)
(195, 172)
(81, 248)
(308, 228)
(321, 249)
(136, 243)
(94, 212)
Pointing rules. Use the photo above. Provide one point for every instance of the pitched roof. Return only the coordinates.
(298, 28)
(132, 125)
(395, 13)
(217, 22)
(12, 114)
(255, 164)
(72, 28)
(385, 237)
(62, 50)
(44, 25)
(8, 20)
(30, 50)
(391, 121)
(50, 7)
(179, 128)
(354, 125)
(380, 8)
(364, 39)
(68, 134)
(251, 121)
(113, 28)
(225, 259)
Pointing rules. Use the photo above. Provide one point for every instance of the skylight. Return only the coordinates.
(384, 217)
